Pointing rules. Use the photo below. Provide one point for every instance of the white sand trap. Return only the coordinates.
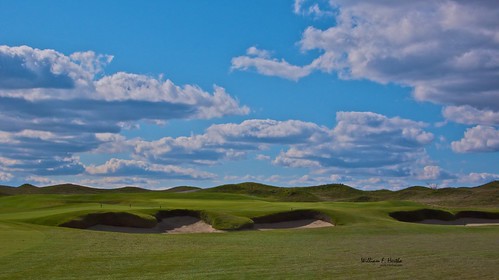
(178, 224)
(185, 224)
(464, 222)
(304, 223)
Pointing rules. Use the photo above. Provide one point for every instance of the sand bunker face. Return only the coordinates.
(189, 221)
(172, 225)
(293, 220)
(440, 217)
(185, 224)
(296, 224)
(188, 224)
(470, 222)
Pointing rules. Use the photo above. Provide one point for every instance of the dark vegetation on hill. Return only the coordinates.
(425, 214)
(77, 189)
(182, 189)
(486, 195)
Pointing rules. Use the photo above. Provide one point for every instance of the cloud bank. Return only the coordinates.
(446, 51)
(54, 106)
(362, 143)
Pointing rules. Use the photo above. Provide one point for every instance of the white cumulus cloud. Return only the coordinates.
(364, 143)
(124, 168)
(478, 139)
(54, 106)
(264, 64)
(470, 115)
(447, 51)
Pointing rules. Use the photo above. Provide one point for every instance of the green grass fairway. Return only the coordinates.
(32, 246)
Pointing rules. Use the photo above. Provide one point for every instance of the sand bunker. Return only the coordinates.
(188, 224)
(192, 221)
(185, 224)
(440, 217)
(177, 224)
(470, 222)
(293, 220)
(296, 224)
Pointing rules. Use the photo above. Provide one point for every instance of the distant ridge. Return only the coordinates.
(129, 189)
(483, 195)
(182, 189)
(67, 188)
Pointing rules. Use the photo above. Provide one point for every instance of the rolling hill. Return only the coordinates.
(484, 195)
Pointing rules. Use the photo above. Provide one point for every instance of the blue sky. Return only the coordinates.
(290, 93)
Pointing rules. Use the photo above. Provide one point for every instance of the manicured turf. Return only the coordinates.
(33, 247)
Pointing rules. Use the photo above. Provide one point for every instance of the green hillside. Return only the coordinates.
(486, 195)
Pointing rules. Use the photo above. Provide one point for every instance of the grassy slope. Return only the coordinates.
(29, 251)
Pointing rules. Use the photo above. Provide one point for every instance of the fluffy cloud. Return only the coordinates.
(478, 139)
(124, 168)
(27, 68)
(469, 115)
(264, 64)
(54, 106)
(116, 182)
(166, 99)
(316, 9)
(433, 172)
(478, 178)
(361, 143)
(262, 157)
(227, 141)
(447, 51)
(269, 131)
(4, 176)
(364, 143)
